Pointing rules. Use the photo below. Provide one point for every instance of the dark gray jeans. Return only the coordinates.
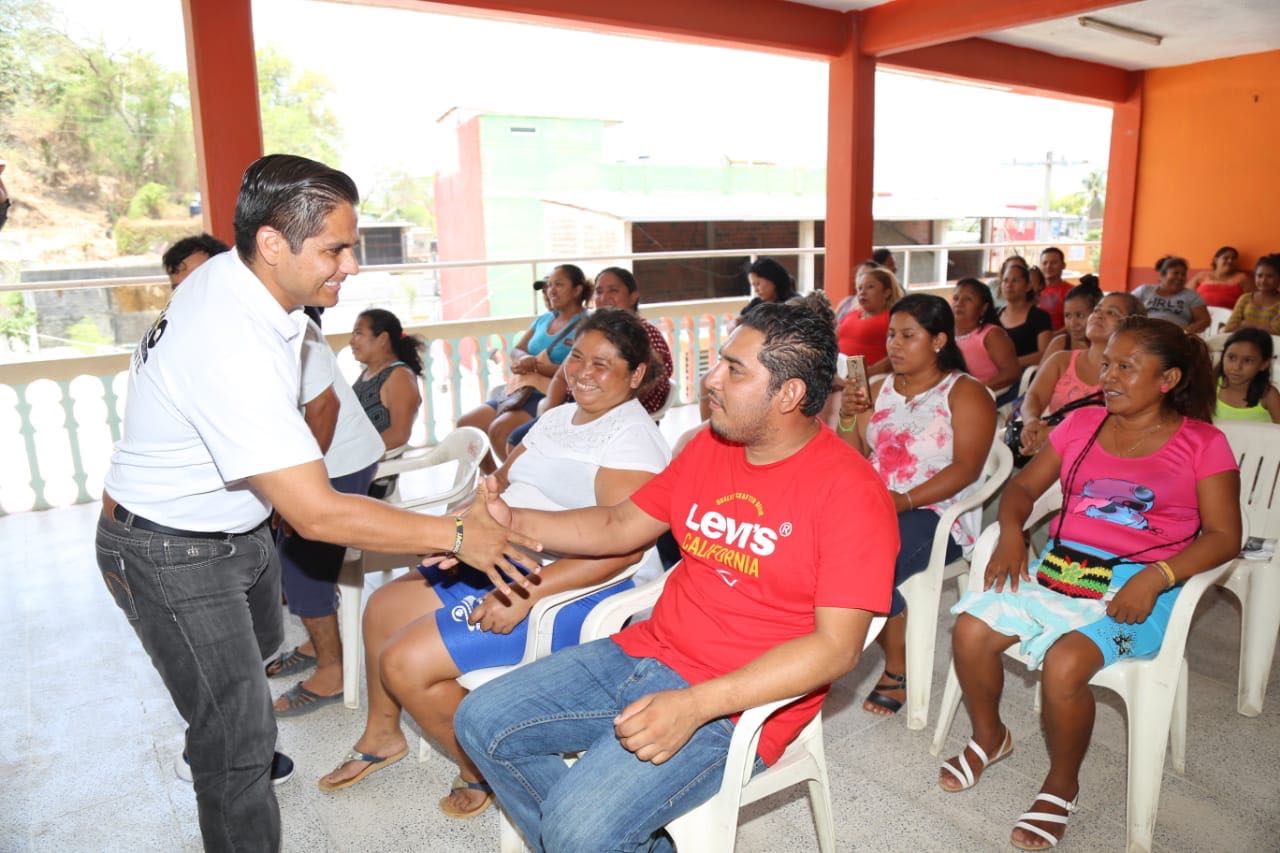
(207, 612)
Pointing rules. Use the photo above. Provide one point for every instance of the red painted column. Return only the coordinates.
(1122, 188)
(223, 76)
(850, 159)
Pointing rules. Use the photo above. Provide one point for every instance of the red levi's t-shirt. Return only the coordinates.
(762, 546)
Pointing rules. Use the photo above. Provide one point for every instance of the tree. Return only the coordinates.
(402, 195)
(295, 119)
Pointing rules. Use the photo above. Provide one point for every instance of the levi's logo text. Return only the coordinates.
(737, 544)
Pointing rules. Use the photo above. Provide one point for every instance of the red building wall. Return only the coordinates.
(459, 197)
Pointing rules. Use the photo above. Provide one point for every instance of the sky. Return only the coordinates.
(395, 72)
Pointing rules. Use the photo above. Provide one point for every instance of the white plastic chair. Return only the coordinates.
(1256, 582)
(414, 490)
(542, 619)
(670, 401)
(713, 826)
(1217, 317)
(1154, 690)
(923, 591)
(1028, 376)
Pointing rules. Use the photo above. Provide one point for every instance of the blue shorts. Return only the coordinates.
(1039, 616)
(472, 648)
(1118, 641)
(530, 406)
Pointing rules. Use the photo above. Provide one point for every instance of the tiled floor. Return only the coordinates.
(88, 736)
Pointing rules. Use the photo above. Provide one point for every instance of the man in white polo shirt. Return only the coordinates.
(213, 439)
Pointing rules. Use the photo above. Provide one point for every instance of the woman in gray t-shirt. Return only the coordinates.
(1172, 300)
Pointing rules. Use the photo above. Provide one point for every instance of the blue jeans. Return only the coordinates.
(915, 531)
(517, 727)
(207, 611)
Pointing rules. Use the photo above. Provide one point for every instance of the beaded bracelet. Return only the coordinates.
(853, 422)
(457, 535)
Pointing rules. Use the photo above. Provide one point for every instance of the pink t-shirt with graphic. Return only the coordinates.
(1145, 505)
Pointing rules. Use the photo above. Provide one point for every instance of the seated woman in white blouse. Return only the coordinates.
(426, 628)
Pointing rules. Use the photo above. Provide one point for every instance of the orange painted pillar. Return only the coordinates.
(223, 76)
(1122, 188)
(850, 158)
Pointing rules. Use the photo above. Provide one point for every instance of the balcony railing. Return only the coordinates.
(60, 416)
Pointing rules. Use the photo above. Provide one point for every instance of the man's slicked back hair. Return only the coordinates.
(291, 194)
(799, 343)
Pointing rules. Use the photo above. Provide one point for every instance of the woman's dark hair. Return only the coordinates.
(1169, 261)
(1026, 274)
(622, 329)
(1013, 259)
(291, 194)
(1091, 281)
(1092, 295)
(989, 313)
(1260, 339)
(623, 275)
(881, 255)
(188, 246)
(1271, 261)
(407, 348)
(579, 280)
(1194, 395)
(799, 343)
(933, 313)
(783, 284)
(1222, 251)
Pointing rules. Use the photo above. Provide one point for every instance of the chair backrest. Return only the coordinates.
(1257, 450)
(1027, 375)
(1217, 316)
(425, 481)
(670, 401)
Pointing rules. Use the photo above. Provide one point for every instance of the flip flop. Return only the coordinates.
(303, 701)
(289, 663)
(460, 784)
(375, 762)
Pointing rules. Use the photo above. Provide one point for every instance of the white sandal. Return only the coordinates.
(965, 774)
(1045, 817)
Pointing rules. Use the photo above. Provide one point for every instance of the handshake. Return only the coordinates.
(484, 539)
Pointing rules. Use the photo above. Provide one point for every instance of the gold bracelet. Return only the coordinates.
(910, 503)
(1170, 578)
(853, 422)
(457, 535)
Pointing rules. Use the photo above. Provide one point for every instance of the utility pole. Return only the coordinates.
(1046, 202)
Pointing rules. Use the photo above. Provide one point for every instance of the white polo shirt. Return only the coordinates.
(356, 444)
(213, 399)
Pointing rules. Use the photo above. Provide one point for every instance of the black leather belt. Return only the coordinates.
(123, 516)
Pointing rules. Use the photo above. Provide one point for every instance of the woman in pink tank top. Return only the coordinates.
(988, 350)
(1068, 376)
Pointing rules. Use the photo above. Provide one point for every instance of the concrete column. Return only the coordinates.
(223, 76)
(850, 158)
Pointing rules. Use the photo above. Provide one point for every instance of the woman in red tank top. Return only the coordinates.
(863, 330)
(1223, 284)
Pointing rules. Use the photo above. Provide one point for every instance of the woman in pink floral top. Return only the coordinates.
(928, 434)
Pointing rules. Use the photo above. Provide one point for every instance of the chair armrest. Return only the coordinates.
(542, 616)
(1175, 634)
(611, 614)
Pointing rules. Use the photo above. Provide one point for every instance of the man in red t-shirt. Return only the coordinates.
(788, 541)
(1053, 297)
